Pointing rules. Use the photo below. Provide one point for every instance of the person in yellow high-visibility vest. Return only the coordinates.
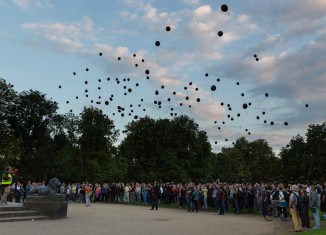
(6, 183)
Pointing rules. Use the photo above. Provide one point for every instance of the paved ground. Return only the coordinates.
(122, 219)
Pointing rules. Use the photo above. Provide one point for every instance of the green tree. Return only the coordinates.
(97, 135)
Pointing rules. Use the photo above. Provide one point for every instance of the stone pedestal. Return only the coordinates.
(53, 206)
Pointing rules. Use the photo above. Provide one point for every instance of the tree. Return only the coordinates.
(167, 150)
(97, 135)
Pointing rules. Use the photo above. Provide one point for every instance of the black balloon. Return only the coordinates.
(244, 106)
(266, 94)
(198, 100)
(106, 102)
(168, 28)
(74, 73)
(87, 69)
(286, 123)
(213, 87)
(156, 92)
(272, 123)
(224, 8)
(220, 33)
(157, 43)
(100, 54)
(307, 105)
(206, 74)
(147, 71)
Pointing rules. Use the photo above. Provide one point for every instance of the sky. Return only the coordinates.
(44, 42)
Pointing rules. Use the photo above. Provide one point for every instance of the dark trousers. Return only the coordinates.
(154, 203)
(305, 217)
(221, 207)
(196, 205)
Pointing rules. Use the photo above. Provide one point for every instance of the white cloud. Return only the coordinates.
(65, 36)
(30, 5)
(191, 2)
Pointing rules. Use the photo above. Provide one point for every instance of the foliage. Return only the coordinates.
(43, 144)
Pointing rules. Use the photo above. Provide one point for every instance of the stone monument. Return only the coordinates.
(47, 201)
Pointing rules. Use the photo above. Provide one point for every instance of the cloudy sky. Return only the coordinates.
(43, 42)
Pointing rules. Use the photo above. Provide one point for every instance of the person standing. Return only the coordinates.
(155, 195)
(88, 191)
(305, 208)
(6, 183)
(313, 203)
(293, 209)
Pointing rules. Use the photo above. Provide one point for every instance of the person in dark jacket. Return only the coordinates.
(305, 208)
(155, 195)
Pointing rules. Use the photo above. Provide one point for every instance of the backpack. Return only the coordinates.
(299, 202)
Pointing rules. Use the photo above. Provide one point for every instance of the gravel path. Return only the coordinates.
(121, 219)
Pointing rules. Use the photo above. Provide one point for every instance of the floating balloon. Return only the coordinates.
(224, 8)
(156, 92)
(157, 43)
(74, 73)
(220, 33)
(59, 87)
(106, 102)
(244, 106)
(129, 90)
(307, 105)
(218, 80)
(168, 28)
(206, 74)
(286, 123)
(257, 117)
(119, 58)
(190, 83)
(238, 83)
(242, 94)
(255, 55)
(257, 59)
(100, 54)
(87, 69)
(147, 71)
(266, 94)
(272, 123)
(198, 100)
(134, 55)
(213, 87)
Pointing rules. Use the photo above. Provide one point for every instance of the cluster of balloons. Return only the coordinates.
(179, 99)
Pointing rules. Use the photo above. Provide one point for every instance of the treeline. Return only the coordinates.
(42, 144)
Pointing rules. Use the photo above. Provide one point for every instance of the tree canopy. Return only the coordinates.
(42, 144)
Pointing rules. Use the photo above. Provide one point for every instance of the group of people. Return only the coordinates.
(222, 197)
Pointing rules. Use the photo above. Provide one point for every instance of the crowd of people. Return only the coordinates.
(222, 197)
